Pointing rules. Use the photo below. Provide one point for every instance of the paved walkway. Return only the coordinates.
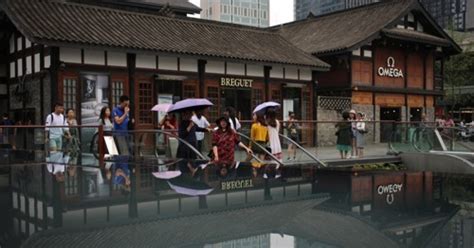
(330, 153)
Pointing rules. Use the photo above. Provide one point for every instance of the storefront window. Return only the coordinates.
(213, 96)
(117, 91)
(240, 100)
(145, 102)
(257, 97)
(69, 93)
(94, 97)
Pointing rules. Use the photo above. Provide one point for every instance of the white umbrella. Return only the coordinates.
(265, 105)
(162, 107)
(167, 174)
(190, 104)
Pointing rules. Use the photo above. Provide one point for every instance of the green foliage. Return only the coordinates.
(459, 70)
(459, 188)
(380, 166)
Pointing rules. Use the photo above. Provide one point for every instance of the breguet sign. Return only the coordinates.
(236, 82)
(390, 70)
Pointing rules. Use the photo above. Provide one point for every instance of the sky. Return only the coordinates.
(281, 11)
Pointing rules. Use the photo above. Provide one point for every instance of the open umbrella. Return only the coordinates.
(167, 174)
(265, 105)
(162, 107)
(190, 104)
(188, 186)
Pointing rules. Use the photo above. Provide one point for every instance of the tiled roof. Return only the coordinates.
(348, 29)
(184, 4)
(415, 36)
(297, 218)
(54, 22)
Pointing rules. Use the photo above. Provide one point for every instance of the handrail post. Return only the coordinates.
(100, 142)
(452, 139)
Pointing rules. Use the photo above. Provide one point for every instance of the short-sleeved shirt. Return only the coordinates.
(202, 123)
(56, 120)
(225, 142)
(7, 122)
(118, 112)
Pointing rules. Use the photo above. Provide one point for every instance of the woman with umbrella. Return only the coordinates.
(273, 133)
(187, 128)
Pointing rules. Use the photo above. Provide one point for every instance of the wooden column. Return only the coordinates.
(202, 77)
(131, 66)
(54, 70)
(406, 86)
(266, 81)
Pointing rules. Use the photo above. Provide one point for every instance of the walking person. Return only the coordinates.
(353, 120)
(168, 124)
(187, 131)
(361, 130)
(58, 130)
(224, 140)
(293, 128)
(201, 122)
(121, 119)
(105, 119)
(121, 114)
(273, 133)
(344, 136)
(234, 121)
(72, 142)
(8, 134)
(259, 135)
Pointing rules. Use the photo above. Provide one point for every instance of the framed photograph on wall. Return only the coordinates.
(88, 89)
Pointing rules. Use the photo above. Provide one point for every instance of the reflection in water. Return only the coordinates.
(245, 205)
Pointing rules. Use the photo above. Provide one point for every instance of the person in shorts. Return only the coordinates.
(58, 124)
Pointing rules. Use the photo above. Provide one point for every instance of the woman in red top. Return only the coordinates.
(224, 140)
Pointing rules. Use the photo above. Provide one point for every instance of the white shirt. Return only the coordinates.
(56, 162)
(54, 119)
(237, 124)
(360, 126)
(202, 123)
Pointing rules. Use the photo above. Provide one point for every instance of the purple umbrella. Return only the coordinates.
(265, 105)
(162, 107)
(190, 104)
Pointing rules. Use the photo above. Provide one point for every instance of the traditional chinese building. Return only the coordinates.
(86, 54)
(383, 58)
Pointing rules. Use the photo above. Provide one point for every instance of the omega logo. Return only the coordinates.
(390, 191)
(390, 70)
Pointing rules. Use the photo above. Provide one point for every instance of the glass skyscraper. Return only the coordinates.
(321, 7)
(449, 13)
(247, 12)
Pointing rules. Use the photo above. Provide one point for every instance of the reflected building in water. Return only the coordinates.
(329, 208)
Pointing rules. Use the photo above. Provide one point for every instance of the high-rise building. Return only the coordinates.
(321, 7)
(470, 15)
(448, 13)
(247, 12)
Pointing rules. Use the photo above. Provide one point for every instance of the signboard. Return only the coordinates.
(236, 82)
(237, 184)
(389, 191)
(390, 70)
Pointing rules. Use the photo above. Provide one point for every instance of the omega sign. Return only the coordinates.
(236, 82)
(389, 190)
(390, 70)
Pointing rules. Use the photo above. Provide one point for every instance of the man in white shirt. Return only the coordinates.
(234, 122)
(201, 122)
(54, 135)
